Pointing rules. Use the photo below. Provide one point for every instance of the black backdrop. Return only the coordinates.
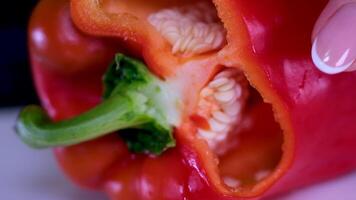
(16, 87)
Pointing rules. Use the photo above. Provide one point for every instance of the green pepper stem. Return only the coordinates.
(134, 100)
(36, 129)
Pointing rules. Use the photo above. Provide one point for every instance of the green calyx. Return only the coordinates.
(132, 105)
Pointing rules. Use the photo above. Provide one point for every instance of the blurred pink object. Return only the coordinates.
(334, 38)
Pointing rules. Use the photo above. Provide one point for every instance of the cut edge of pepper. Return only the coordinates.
(257, 79)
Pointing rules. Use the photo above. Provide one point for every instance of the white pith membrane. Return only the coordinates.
(221, 103)
(190, 30)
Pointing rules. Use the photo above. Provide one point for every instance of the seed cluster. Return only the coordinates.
(234, 182)
(191, 30)
(231, 182)
(221, 103)
(262, 174)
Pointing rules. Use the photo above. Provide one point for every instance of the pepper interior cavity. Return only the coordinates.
(236, 120)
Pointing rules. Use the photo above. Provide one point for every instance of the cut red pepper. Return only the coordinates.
(313, 140)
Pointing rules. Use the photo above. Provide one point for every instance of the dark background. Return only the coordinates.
(16, 87)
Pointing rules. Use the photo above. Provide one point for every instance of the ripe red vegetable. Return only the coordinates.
(303, 134)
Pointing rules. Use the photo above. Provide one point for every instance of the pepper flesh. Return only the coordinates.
(270, 41)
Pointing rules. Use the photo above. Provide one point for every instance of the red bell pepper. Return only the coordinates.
(303, 134)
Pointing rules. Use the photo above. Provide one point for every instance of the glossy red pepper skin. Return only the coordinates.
(60, 46)
(274, 43)
(321, 106)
